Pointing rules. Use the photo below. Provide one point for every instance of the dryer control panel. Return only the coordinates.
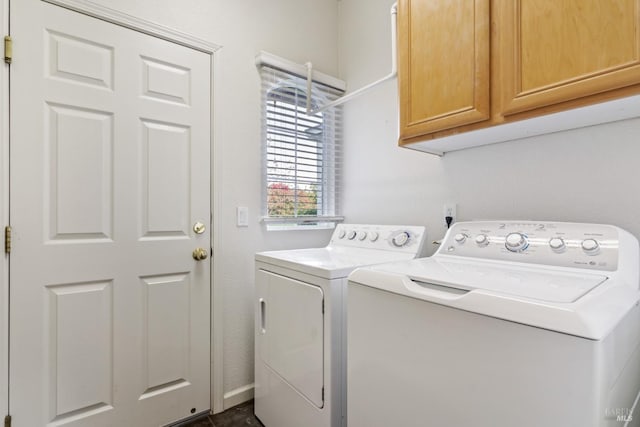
(398, 238)
(589, 246)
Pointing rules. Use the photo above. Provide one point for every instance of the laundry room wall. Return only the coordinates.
(299, 30)
(583, 175)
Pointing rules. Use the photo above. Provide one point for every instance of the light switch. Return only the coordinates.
(242, 216)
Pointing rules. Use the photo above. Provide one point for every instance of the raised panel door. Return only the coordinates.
(551, 51)
(110, 140)
(443, 64)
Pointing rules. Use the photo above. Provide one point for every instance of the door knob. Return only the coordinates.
(199, 254)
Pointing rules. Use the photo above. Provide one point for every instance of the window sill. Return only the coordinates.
(302, 223)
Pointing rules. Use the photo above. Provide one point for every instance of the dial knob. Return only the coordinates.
(341, 234)
(482, 240)
(516, 242)
(351, 235)
(557, 244)
(373, 236)
(590, 246)
(400, 239)
(362, 235)
(460, 238)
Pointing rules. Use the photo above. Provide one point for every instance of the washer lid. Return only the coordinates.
(532, 283)
(553, 298)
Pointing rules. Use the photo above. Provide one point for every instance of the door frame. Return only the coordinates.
(156, 30)
(4, 216)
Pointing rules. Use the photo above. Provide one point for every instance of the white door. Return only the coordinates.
(110, 135)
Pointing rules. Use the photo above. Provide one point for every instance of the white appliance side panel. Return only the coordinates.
(291, 321)
(412, 360)
(621, 357)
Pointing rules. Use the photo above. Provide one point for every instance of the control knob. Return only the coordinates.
(373, 236)
(341, 234)
(590, 246)
(557, 244)
(482, 240)
(362, 235)
(460, 238)
(351, 235)
(516, 242)
(400, 239)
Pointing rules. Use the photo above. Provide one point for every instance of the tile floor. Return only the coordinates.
(238, 416)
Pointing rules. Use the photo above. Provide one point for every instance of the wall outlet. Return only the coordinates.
(449, 210)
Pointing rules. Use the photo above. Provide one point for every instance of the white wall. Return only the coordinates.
(300, 30)
(585, 175)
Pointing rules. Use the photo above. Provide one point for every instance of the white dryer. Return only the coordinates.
(528, 324)
(300, 333)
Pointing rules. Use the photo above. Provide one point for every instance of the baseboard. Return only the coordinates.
(238, 396)
(190, 420)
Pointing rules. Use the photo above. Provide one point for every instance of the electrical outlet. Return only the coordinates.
(450, 210)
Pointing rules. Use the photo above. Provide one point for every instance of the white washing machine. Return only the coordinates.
(300, 333)
(528, 324)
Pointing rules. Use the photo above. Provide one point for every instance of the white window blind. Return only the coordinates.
(301, 151)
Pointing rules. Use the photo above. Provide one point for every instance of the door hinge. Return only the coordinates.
(7, 239)
(7, 421)
(8, 49)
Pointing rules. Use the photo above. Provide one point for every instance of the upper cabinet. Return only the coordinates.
(552, 51)
(443, 64)
(473, 64)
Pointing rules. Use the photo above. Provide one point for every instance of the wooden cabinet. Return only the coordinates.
(443, 70)
(552, 51)
(546, 56)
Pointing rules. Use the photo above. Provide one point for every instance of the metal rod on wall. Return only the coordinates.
(391, 75)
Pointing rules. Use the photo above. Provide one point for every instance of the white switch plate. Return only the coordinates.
(242, 216)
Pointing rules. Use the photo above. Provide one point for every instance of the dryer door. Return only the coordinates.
(291, 333)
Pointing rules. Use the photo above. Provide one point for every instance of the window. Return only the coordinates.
(301, 151)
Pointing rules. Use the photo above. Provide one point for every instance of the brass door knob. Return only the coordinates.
(199, 254)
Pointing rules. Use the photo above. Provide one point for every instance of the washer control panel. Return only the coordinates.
(404, 238)
(590, 246)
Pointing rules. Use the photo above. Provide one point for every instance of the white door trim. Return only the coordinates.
(125, 20)
(4, 216)
(217, 307)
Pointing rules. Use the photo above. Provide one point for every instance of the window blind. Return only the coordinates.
(302, 156)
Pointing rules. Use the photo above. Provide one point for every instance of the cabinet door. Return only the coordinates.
(552, 51)
(443, 69)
